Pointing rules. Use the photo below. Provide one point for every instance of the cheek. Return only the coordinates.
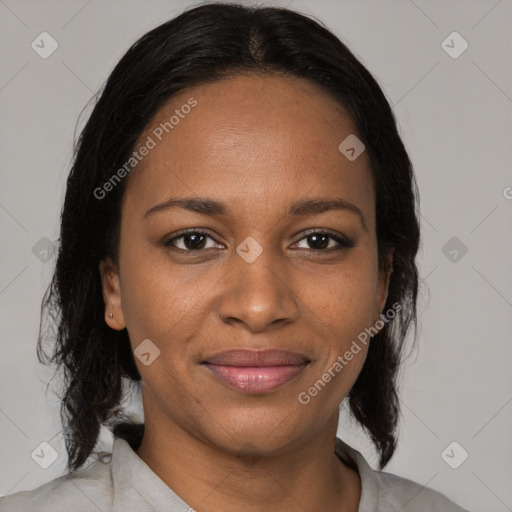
(163, 301)
(146, 289)
(344, 304)
(156, 299)
(346, 296)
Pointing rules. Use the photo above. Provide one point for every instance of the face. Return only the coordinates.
(268, 287)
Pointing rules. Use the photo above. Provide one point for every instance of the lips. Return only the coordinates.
(256, 371)
(246, 357)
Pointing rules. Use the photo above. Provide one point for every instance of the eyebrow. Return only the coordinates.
(298, 208)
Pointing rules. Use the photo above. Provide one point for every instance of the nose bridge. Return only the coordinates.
(258, 293)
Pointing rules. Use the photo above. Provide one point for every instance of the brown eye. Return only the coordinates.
(325, 241)
(190, 241)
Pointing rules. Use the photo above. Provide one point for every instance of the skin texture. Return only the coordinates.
(257, 144)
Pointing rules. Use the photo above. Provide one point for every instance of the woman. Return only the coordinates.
(238, 239)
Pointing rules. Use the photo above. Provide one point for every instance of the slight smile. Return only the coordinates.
(256, 371)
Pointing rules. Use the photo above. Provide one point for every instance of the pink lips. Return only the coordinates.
(256, 371)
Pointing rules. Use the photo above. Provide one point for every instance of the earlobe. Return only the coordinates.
(111, 291)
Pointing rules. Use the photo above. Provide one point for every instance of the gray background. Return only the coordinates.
(455, 116)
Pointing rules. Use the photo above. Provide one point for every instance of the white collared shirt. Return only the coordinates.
(123, 482)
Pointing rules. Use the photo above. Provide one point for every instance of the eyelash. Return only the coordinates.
(343, 242)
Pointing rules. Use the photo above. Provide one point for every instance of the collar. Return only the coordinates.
(135, 483)
(369, 478)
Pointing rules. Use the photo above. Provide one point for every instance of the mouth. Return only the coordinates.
(256, 371)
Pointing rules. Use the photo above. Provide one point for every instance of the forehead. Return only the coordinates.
(248, 137)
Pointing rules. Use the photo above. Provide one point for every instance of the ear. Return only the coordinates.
(111, 289)
(384, 277)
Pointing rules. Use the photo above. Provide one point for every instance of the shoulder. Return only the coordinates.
(387, 492)
(87, 489)
(410, 496)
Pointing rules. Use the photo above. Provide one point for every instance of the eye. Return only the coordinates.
(191, 240)
(325, 241)
(195, 240)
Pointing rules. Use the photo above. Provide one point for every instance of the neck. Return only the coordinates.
(307, 476)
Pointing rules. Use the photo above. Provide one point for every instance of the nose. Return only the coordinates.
(258, 295)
